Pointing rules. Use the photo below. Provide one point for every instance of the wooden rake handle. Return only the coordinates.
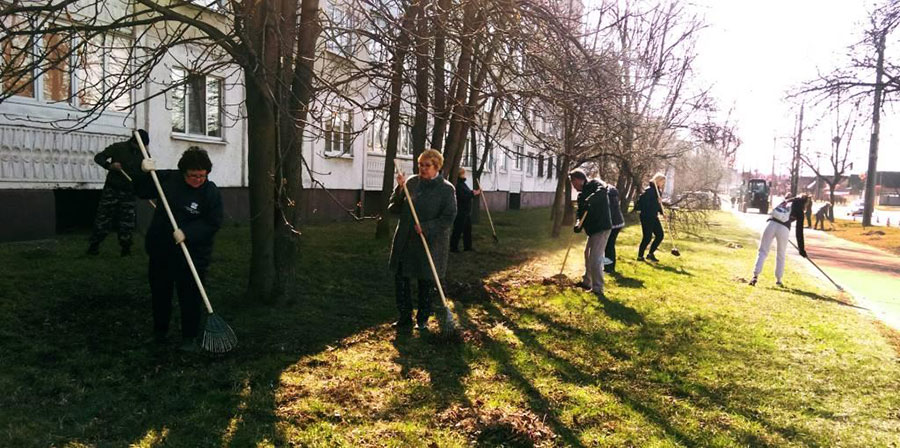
(184, 249)
(412, 208)
(488, 210)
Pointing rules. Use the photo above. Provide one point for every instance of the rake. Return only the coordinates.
(448, 324)
(675, 252)
(218, 337)
(491, 221)
(578, 224)
(839, 288)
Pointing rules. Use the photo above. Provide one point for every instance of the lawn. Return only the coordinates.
(682, 353)
(886, 238)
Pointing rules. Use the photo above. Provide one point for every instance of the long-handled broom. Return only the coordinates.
(449, 327)
(491, 221)
(218, 337)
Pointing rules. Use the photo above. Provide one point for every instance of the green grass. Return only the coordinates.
(683, 353)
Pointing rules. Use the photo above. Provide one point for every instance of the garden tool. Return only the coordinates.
(491, 221)
(218, 337)
(579, 225)
(675, 252)
(820, 269)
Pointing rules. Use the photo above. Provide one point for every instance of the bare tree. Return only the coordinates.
(838, 155)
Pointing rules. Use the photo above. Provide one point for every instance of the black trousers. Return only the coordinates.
(462, 225)
(650, 228)
(611, 250)
(168, 273)
(426, 289)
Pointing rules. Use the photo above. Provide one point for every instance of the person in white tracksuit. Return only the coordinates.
(780, 231)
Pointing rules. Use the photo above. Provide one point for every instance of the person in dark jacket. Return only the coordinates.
(808, 210)
(780, 231)
(462, 225)
(618, 222)
(116, 207)
(435, 201)
(593, 217)
(824, 212)
(650, 207)
(196, 204)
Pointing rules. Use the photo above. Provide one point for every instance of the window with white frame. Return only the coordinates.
(102, 70)
(338, 128)
(404, 140)
(519, 155)
(504, 162)
(18, 58)
(338, 35)
(467, 154)
(540, 165)
(530, 161)
(197, 103)
(549, 167)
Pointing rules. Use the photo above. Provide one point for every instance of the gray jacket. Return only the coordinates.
(435, 202)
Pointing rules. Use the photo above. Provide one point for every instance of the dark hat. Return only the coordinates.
(144, 137)
(577, 173)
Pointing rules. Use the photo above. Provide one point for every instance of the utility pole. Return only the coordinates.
(795, 162)
(869, 206)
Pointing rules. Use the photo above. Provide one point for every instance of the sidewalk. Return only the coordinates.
(870, 275)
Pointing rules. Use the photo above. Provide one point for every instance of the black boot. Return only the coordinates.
(404, 302)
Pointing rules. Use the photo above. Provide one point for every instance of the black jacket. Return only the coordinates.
(464, 196)
(594, 199)
(198, 212)
(129, 156)
(798, 209)
(648, 203)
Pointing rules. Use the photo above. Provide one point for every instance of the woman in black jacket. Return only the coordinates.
(197, 207)
(650, 207)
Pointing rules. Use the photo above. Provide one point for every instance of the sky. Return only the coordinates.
(753, 52)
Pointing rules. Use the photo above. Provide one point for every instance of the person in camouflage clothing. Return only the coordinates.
(116, 208)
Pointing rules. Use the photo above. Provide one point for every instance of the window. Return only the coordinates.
(467, 154)
(57, 78)
(18, 59)
(549, 167)
(530, 170)
(338, 133)
(196, 104)
(540, 165)
(404, 140)
(377, 132)
(504, 162)
(520, 150)
(338, 38)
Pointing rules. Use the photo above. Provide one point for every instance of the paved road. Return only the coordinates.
(870, 275)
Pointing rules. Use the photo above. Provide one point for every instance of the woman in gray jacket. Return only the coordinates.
(435, 202)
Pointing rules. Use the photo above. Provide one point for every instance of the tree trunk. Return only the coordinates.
(440, 89)
(287, 250)
(261, 133)
(420, 122)
(869, 204)
(387, 184)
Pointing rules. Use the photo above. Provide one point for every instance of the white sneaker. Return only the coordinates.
(607, 261)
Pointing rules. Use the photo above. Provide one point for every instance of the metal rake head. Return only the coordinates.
(218, 337)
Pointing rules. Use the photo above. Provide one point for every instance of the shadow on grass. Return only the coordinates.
(77, 370)
(820, 297)
(671, 269)
(626, 282)
(620, 312)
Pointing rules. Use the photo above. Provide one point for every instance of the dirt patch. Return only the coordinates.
(468, 292)
(560, 280)
(874, 233)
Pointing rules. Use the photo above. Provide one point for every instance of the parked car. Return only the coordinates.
(699, 200)
(857, 208)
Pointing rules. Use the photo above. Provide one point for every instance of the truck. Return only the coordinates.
(754, 194)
